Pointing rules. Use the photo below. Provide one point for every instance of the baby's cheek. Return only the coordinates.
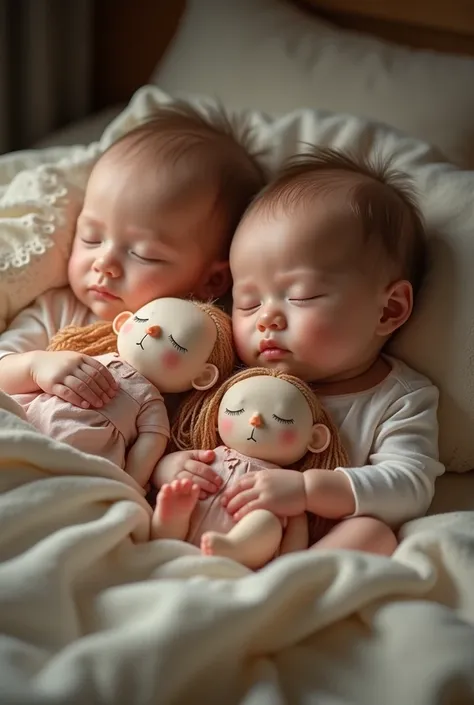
(170, 359)
(226, 425)
(127, 327)
(287, 437)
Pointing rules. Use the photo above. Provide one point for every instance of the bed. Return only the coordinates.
(90, 610)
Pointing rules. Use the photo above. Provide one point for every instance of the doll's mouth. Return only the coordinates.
(251, 438)
(140, 342)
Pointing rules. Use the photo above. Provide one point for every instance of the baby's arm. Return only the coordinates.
(398, 482)
(25, 366)
(143, 456)
(26, 334)
(396, 485)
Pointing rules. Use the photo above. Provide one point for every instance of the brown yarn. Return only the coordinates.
(99, 338)
(95, 339)
(196, 424)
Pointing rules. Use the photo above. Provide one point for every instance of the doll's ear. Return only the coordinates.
(320, 438)
(119, 320)
(207, 378)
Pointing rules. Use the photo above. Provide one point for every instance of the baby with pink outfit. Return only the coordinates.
(151, 226)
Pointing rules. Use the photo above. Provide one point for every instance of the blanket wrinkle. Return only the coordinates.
(91, 611)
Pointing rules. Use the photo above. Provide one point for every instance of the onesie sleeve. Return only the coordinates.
(27, 331)
(33, 328)
(398, 483)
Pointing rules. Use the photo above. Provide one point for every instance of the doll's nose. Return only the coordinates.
(256, 420)
(154, 331)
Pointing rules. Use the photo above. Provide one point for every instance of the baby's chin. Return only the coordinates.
(104, 310)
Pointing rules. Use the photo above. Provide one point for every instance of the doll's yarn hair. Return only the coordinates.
(223, 354)
(99, 338)
(196, 427)
(95, 339)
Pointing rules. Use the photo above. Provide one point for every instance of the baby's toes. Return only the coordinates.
(206, 544)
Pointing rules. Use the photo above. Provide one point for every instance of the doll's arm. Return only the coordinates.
(144, 455)
(296, 536)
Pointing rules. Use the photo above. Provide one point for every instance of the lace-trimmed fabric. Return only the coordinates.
(38, 212)
(33, 216)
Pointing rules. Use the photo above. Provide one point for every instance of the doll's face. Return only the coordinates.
(169, 342)
(268, 418)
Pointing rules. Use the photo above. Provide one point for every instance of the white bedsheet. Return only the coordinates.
(91, 612)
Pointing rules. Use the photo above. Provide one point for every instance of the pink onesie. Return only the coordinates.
(209, 514)
(109, 431)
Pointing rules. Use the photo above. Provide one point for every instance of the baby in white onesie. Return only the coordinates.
(326, 263)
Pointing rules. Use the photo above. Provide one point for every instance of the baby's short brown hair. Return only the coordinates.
(381, 198)
(208, 147)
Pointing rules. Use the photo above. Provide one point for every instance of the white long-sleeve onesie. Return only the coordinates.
(391, 434)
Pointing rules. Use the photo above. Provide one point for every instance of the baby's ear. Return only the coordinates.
(217, 282)
(207, 378)
(120, 320)
(320, 438)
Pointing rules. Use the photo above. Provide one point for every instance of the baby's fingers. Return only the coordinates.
(203, 483)
(198, 469)
(67, 394)
(79, 385)
(245, 483)
(241, 500)
(100, 374)
(100, 396)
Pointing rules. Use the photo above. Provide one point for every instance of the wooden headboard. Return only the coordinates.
(442, 25)
(131, 37)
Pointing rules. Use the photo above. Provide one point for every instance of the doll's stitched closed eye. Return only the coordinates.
(234, 412)
(176, 345)
(282, 420)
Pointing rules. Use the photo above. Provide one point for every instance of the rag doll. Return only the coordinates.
(259, 418)
(169, 345)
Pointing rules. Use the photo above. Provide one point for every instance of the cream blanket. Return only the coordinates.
(91, 612)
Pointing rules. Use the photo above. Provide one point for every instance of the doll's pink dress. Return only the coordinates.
(209, 514)
(109, 431)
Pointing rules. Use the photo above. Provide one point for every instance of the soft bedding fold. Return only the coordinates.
(91, 611)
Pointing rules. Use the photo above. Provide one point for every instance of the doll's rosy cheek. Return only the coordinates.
(127, 327)
(226, 425)
(170, 359)
(287, 437)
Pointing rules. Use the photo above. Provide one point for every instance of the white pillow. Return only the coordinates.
(267, 55)
(439, 340)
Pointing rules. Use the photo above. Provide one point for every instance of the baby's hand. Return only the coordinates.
(280, 491)
(74, 377)
(191, 465)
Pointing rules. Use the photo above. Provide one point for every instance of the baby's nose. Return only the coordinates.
(256, 420)
(154, 331)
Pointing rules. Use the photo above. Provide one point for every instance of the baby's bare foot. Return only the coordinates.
(215, 544)
(174, 506)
